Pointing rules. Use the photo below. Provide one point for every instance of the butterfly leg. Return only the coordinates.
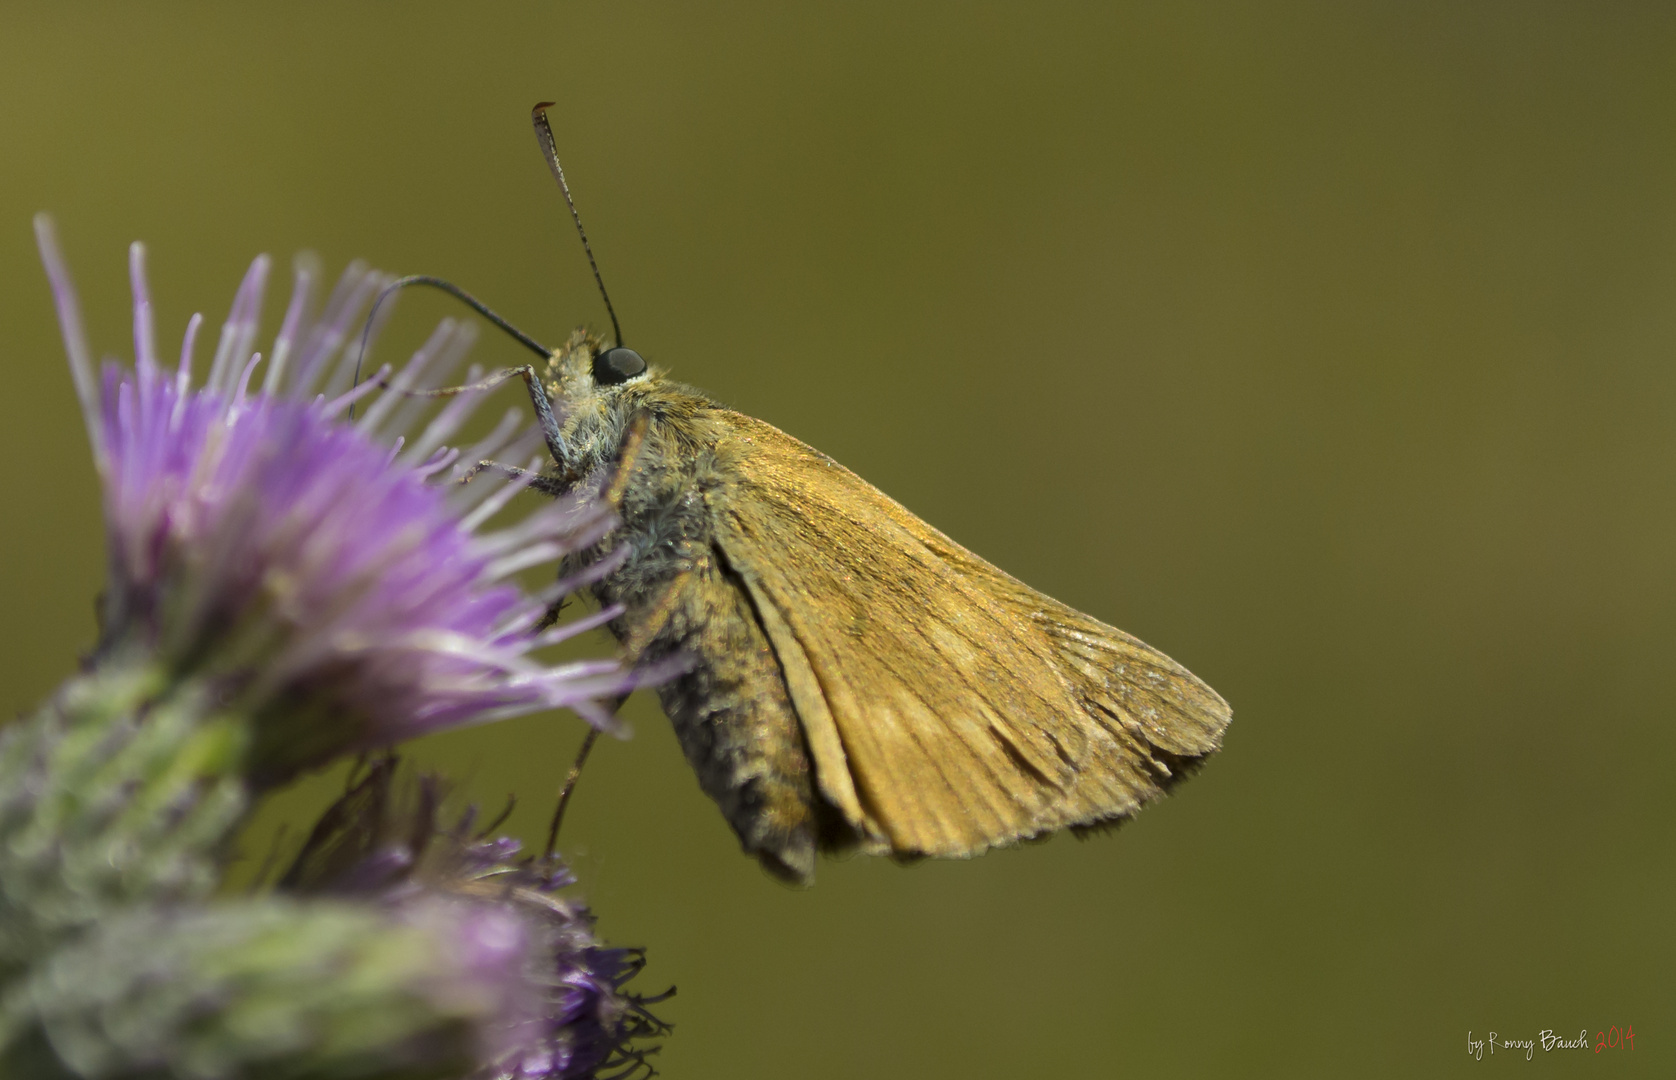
(569, 787)
(649, 625)
(546, 485)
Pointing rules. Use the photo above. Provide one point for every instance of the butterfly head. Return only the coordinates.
(596, 390)
(585, 367)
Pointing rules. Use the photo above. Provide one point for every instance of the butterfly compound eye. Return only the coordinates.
(617, 366)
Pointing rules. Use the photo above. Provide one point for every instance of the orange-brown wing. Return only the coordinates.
(948, 706)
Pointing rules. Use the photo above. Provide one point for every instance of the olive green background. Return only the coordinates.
(1331, 348)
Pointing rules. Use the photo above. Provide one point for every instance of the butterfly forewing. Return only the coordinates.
(947, 706)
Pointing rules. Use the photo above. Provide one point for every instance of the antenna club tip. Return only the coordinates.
(540, 105)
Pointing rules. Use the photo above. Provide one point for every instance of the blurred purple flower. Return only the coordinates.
(321, 576)
(385, 842)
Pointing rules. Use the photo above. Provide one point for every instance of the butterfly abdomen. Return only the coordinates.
(730, 709)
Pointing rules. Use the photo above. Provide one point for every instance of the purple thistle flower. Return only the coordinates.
(320, 576)
(385, 844)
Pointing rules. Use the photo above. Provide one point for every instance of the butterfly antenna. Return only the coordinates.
(544, 135)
